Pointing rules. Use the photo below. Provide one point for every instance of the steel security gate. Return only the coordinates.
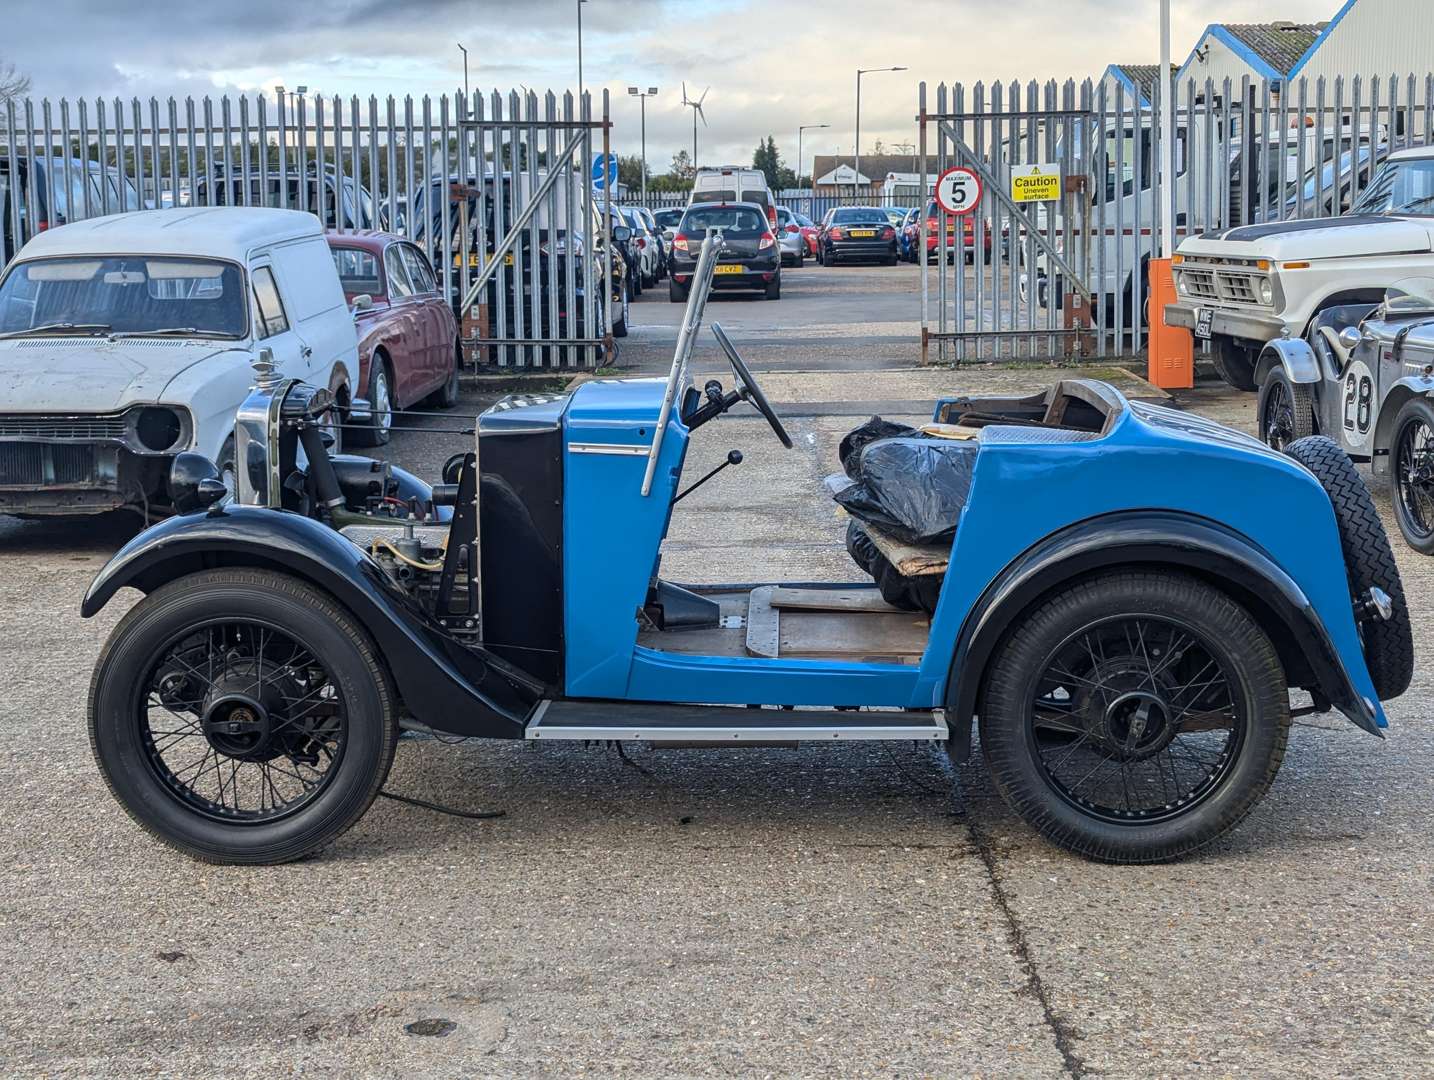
(495, 189)
(986, 298)
(1065, 279)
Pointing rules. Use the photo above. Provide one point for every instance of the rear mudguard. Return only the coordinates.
(1147, 539)
(444, 684)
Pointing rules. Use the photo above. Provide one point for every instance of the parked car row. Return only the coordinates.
(128, 339)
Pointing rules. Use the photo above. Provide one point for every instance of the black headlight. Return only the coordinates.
(157, 428)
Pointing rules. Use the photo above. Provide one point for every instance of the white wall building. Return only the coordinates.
(1261, 51)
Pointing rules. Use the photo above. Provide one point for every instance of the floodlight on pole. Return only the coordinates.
(642, 97)
(466, 98)
(857, 144)
(800, 129)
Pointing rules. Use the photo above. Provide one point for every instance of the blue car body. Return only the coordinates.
(1151, 459)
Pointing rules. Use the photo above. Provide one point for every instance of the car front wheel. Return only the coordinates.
(242, 717)
(1412, 473)
(1135, 717)
(1285, 409)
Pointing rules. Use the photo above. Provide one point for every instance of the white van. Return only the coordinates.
(732, 183)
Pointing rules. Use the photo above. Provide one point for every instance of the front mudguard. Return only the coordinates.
(1150, 540)
(1294, 355)
(443, 683)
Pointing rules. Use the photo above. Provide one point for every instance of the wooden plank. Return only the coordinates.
(892, 637)
(909, 559)
(829, 600)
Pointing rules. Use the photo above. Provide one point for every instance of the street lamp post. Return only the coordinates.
(580, 55)
(466, 98)
(282, 94)
(859, 73)
(642, 97)
(802, 128)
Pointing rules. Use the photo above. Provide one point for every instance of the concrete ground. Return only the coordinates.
(840, 910)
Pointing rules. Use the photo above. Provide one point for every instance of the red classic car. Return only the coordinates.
(407, 335)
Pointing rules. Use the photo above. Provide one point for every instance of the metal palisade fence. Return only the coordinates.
(1050, 262)
(497, 189)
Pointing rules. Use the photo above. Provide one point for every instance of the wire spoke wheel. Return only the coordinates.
(1277, 422)
(1414, 475)
(241, 722)
(1135, 716)
(1135, 719)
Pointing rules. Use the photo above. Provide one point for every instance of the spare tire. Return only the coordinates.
(1368, 560)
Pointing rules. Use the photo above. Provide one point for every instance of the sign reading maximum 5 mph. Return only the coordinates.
(1035, 183)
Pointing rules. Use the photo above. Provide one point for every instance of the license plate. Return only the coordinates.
(1203, 318)
(728, 268)
(863, 232)
(474, 262)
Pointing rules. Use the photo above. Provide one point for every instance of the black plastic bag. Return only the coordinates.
(857, 438)
(912, 488)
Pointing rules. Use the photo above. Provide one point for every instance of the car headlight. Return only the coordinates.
(1267, 291)
(1180, 283)
(158, 428)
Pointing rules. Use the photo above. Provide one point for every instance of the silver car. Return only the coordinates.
(790, 239)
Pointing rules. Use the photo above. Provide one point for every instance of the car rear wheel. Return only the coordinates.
(676, 292)
(1135, 717)
(1285, 410)
(1412, 474)
(1368, 561)
(242, 717)
(619, 326)
(1234, 362)
(774, 289)
(447, 396)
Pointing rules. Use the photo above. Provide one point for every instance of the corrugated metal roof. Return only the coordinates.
(1279, 44)
(1143, 76)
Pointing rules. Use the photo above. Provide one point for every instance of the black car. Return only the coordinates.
(747, 253)
(856, 233)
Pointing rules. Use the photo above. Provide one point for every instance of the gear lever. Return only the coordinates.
(734, 457)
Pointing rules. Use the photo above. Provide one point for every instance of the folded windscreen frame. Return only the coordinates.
(686, 338)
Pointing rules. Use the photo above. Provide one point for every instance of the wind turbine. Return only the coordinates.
(696, 107)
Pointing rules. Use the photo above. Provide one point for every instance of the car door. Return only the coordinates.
(438, 319)
(407, 345)
(273, 328)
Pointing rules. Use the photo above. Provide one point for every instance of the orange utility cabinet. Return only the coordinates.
(1171, 364)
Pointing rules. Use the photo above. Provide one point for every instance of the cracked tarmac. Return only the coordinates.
(844, 910)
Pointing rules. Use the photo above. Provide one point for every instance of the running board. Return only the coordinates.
(603, 721)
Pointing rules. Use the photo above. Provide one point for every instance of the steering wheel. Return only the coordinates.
(747, 385)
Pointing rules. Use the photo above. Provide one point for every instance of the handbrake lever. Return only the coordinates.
(734, 457)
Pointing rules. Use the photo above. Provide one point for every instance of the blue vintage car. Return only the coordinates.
(1130, 603)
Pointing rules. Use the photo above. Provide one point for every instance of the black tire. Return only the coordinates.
(675, 292)
(619, 325)
(773, 290)
(1368, 561)
(1411, 473)
(380, 398)
(124, 743)
(1285, 409)
(802, 258)
(1234, 362)
(1196, 625)
(890, 260)
(446, 397)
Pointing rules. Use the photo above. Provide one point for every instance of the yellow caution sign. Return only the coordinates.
(1035, 183)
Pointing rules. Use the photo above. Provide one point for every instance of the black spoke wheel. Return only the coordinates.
(242, 717)
(1135, 717)
(1286, 410)
(1413, 473)
(240, 722)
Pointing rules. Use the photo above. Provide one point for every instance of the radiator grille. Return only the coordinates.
(78, 428)
(44, 465)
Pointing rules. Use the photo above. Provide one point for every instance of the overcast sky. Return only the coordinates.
(770, 65)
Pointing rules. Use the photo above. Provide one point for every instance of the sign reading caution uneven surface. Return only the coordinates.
(1035, 183)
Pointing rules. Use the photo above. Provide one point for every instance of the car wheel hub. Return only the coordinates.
(1137, 725)
(241, 716)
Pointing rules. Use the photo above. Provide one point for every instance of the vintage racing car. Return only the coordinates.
(1364, 376)
(1125, 597)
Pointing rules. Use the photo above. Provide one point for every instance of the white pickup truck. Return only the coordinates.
(1240, 288)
